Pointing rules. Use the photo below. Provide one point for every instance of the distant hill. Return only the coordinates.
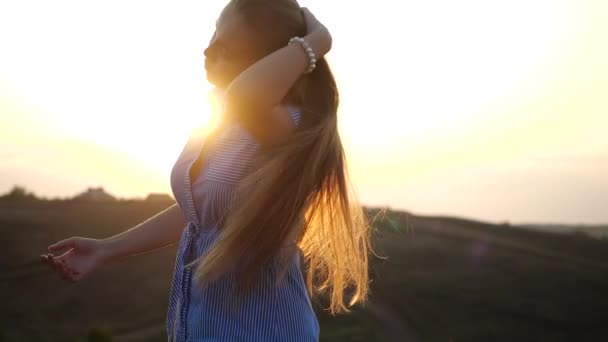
(437, 279)
(155, 197)
(20, 195)
(596, 231)
(94, 194)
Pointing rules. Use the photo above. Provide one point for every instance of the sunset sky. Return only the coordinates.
(491, 110)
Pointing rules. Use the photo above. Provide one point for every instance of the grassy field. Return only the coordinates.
(440, 279)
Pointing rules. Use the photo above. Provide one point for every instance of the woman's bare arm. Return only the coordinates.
(160, 230)
(263, 85)
(252, 96)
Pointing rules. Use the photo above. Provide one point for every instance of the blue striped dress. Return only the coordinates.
(272, 312)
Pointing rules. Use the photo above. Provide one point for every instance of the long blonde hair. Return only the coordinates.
(302, 183)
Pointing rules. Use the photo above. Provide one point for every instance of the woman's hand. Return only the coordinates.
(81, 257)
(312, 23)
(315, 27)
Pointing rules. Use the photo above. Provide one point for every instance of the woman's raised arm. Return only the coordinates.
(254, 93)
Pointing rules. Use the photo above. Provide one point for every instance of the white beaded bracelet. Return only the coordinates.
(312, 58)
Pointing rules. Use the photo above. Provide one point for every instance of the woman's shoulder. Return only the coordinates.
(237, 133)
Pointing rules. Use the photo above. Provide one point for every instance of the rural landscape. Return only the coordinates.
(472, 133)
(433, 278)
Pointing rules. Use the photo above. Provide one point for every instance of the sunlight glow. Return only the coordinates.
(430, 92)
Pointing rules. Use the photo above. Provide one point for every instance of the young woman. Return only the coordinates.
(264, 188)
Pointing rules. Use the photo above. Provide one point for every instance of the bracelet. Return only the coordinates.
(312, 58)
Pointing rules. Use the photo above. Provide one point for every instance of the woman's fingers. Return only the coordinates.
(44, 258)
(60, 267)
(63, 268)
(47, 259)
(74, 276)
(69, 273)
(55, 264)
(63, 244)
(312, 23)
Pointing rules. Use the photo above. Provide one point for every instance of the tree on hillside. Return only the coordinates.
(18, 193)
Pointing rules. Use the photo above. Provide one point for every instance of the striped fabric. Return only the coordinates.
(274, 311)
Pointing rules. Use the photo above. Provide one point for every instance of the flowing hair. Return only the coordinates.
(302, 184)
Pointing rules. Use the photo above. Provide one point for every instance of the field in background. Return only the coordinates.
(444, 279)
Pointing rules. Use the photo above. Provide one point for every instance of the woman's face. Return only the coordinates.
(231, 50)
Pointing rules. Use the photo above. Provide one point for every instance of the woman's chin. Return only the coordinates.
(216, 81)
(210, 78)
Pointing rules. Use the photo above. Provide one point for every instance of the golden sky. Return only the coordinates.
(482, 109)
